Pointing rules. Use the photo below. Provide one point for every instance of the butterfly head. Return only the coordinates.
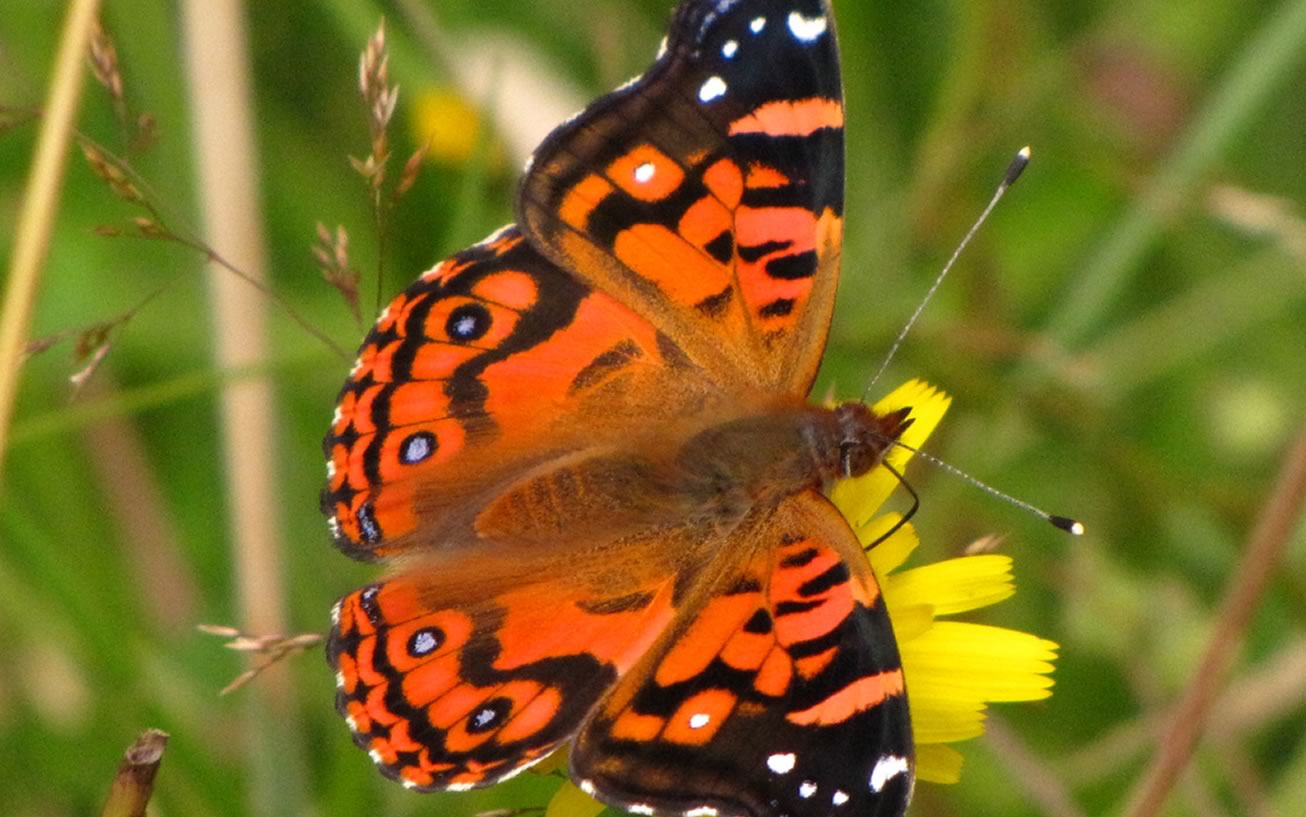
(865, 437)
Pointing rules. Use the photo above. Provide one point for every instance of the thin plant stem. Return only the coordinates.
(218, 76)
(41, 203)
(133, 785)
(1030, 772)
(1263, 553)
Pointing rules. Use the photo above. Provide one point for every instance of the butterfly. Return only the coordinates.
(585, 452)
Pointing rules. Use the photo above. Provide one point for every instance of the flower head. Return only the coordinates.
(952, 669)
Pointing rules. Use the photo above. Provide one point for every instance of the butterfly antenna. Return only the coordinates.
(1065, 523)
(1014, 170)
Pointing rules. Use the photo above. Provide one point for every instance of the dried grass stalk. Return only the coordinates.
(41, 204)
(134, 783)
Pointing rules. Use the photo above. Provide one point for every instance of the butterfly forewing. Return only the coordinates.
(493, 362)
(778, 692)
(708, 194)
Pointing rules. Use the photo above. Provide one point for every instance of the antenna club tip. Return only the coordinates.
(1072, 526)
(1017, 166)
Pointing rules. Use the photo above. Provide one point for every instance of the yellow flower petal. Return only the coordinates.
(911, 621)
(975, 662)
(938, 764)
(944, 720)
(888, 555)
(570, 801)
(928, 405)
(954, 585)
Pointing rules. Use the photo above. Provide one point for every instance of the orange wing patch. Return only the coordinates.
(646, 173)
(791, 117)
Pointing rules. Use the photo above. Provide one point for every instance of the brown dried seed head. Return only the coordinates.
(80, 378)
(103, 56)
(107, 169)
(220, 630)
(148, 228)
(412, 168)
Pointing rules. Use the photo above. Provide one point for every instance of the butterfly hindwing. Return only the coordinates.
(778, 691)
(707, 194)
(463, 677)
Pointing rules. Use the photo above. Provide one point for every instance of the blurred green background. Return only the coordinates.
(1125, 342)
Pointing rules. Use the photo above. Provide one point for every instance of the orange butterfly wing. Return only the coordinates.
(780, 691)
(492, 362)
(707, 195)
(466, 669)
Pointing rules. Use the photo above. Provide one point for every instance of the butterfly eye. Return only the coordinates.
(468, 322)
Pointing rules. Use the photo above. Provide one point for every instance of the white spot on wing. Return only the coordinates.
(698, 720)
(639, 808)
(730, 49)
(340, 682)
(465, 326)
(460, 786)
(376, 757)
(662, 48)
(644, 173)
(757, 25)
(712, 88)
(806, 789)
(408, 784)
(781, 763)
(806, 29)
(839, 797)
(586, 786)
(351, 723)
(887, 768)
(702, 811)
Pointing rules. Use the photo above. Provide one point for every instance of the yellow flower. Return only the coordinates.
(453, 128)
(952, 669)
